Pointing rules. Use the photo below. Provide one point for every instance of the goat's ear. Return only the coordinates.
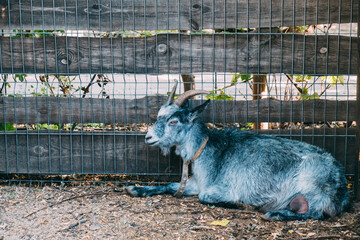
(197, 110)
(185, 104)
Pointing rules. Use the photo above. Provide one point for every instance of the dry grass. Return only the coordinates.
(99, 212)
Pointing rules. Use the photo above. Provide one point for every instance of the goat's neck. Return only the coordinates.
(192, 142)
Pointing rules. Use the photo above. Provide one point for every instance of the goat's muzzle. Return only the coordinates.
(148, 140)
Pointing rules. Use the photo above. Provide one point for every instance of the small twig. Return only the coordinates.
(66, 200)
(220, 89)
(295, 84)
(323, 237)
(45, 80)
(5, 76)
(2, 87)
(48, 85)
(88, 86)
(213, 214)
(85, 90)
(327, 87)
(201, 228)
(313, 82)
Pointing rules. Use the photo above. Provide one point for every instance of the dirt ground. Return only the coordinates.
(105, 212)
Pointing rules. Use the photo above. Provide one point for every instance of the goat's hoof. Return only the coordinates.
(131, 191)
(265, 217)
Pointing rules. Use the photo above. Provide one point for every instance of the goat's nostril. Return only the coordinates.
(147, 138)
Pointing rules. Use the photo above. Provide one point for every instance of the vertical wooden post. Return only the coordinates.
(189, 82)
(356, 183)
(259, 83)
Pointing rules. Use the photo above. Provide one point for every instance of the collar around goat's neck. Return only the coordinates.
(185, 170)
(199, 151)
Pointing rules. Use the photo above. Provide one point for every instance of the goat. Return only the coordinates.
(286, 179)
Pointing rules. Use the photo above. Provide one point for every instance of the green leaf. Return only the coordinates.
(21, 77)
(305, 91)
(43, 126)
(53, 127)
(63, 78)
(302, 78)
(245, 77)
(48, 126)
(47, 33)
(146, 34)
(221, 96)
(309, 97)
(235, 78)
(341, 80)
(7, 127)
(337, 79)
(175, 96)
(250, 125)
(16, 95)
(333, 80)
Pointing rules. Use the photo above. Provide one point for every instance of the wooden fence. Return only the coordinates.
(264, 50)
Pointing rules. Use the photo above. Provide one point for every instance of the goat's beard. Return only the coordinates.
(165, 150)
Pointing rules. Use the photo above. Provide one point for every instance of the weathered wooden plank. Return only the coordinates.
(144, 110)
(173, 53)
(120, 153)
(64, 153)
(108, 15)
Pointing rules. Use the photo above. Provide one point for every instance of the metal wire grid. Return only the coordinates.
(140, 84)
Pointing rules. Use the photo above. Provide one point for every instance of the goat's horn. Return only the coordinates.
(172, 94)
(188, 94)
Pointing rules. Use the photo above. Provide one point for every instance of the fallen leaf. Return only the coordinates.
(310, 234)
(104, 220)
(300, 233)
(276, 234)
(220, 222)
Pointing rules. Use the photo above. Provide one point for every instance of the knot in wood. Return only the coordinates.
(200, 8)
(67, 57)
(39, 150)
(162, 48)
(196, 7)
(96, 9)
(64, 61)
(323, 50)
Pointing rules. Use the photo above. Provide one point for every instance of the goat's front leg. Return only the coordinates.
(148, 191)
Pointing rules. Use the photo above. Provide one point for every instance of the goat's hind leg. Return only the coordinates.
(288, 215)
(298, 209)
(148, 191)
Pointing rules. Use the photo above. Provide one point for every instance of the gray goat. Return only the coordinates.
(286, 179)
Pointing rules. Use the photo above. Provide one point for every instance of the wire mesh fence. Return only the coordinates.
(82, 80)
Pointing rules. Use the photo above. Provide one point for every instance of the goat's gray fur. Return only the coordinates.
(287, 179)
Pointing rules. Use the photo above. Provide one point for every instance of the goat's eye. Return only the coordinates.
(173, 122)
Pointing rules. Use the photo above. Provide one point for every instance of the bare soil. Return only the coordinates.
(105, 212)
